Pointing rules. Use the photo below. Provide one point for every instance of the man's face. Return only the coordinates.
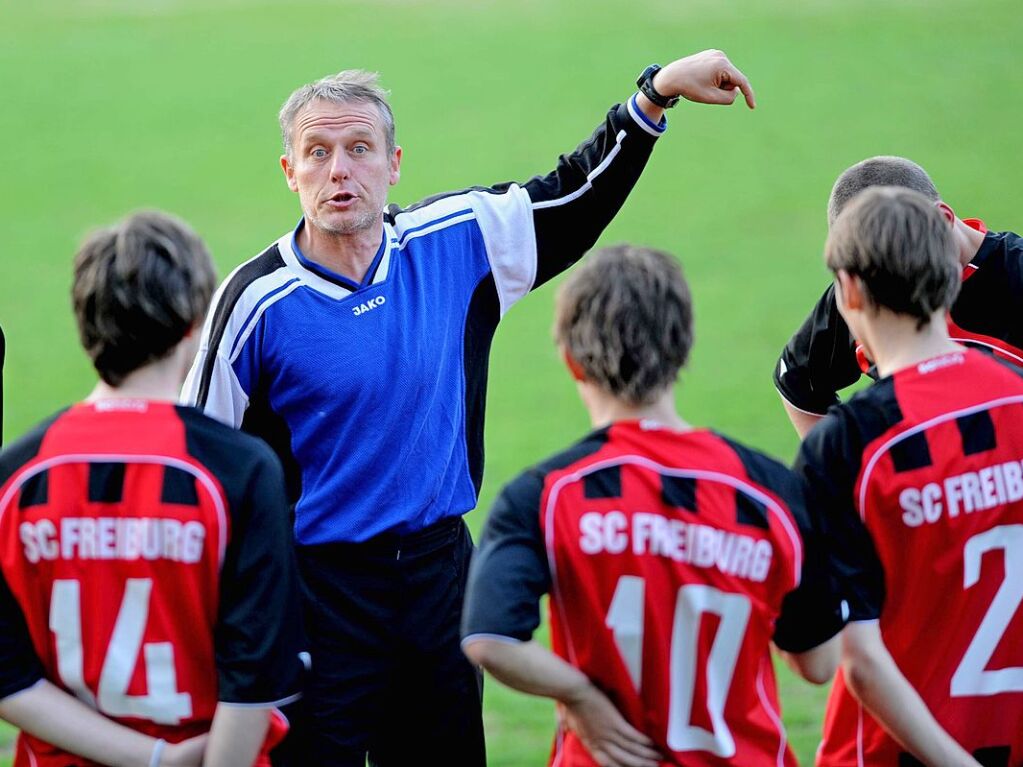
(340, 165)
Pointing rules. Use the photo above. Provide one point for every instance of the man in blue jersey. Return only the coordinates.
(357, 346)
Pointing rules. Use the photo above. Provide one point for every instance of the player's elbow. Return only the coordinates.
(860, 669)
(481, 652)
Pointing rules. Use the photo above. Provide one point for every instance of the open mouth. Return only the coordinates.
(342, 197)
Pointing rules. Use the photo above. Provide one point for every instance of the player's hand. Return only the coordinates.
(187, 753)
(707, 77)
(611, 740)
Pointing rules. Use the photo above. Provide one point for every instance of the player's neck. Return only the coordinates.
(969, 241)
(896, 342)
(605, 410)
(160, 380)
(349, 255)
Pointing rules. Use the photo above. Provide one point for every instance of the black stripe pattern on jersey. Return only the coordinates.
(977, 431)
(178, 487)
(911, 453)
(749, 511)
(679, 492)
(35, 491)
(266, 263)
(603, 483)
(106, 482)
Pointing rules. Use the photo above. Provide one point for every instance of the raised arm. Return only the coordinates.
(817, 362)
(573, 204)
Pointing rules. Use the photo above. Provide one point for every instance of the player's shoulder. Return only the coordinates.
(760, 468)
(444, 210)
(224, 450)
(24, 449)
(244, 278)
(527, 488)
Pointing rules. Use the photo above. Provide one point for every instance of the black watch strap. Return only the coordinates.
(646, 87)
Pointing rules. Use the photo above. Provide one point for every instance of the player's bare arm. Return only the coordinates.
(531, 668)
(50, 714)
(872, 676)
(236, 735)
(817, 665)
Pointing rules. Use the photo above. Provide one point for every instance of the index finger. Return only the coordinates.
(739, 79)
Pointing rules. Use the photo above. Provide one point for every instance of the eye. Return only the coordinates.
(360, 149)
(319, 152)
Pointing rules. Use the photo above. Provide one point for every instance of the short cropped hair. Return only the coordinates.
(879, 171)
(351, 85)
(139, 286)
(626, 317)
(901, 247)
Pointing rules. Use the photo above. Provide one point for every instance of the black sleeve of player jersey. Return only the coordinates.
(259, 632)
(819, 360)
(574, 203)
(828, 464)
(19, 665)
(812, 613)
(509, 573)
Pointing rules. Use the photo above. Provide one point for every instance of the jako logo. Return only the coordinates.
(373, 303)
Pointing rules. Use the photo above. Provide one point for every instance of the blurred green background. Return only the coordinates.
(113, 105)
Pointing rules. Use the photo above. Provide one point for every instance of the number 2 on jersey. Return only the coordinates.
(162, 702)
(625, 618)
(972, 676)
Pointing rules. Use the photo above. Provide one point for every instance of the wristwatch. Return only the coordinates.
(646, 87)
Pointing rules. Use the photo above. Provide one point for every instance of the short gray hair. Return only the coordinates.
(351, 85)
(626, 317)
(883, 170)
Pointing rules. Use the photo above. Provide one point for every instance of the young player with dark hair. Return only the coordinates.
(673, 555)
(823, 357)
(145, 549)
(920, 482)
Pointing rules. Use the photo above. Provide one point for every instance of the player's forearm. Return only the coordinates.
(236, 736)
(528, 667)
(874, 679)
(50, 714)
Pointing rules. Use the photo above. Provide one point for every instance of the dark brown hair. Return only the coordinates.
(626, 316)
(901, 247)
(139, 286)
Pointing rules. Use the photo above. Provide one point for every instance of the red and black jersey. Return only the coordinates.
(147, 569)
(672, 560)
(921, 481)
(822, 357)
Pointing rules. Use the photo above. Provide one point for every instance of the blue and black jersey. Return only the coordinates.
(373, 393)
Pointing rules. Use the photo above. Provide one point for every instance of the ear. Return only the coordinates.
(850, 293)
(946, 212)
(289, 172)
(396, 166)
(574, 368)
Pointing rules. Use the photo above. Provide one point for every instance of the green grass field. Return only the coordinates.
(112, 105)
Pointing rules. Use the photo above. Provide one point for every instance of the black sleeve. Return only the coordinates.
(19, 665)
(819, 360)
(828, 465)
(259, 633)
(812, 613)
(574, 203)
(509, 573)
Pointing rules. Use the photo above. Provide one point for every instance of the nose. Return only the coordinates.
(339, 169)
